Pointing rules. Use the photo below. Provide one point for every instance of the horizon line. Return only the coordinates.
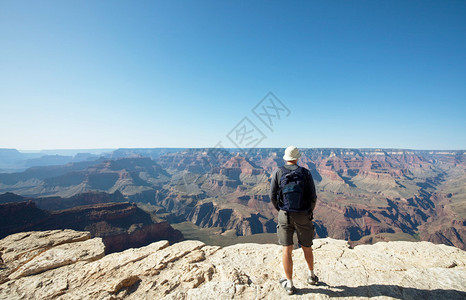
(230, 148)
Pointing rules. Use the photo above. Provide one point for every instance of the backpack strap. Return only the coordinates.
(285, 171)
(282, 171)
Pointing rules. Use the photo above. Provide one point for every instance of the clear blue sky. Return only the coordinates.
(108, 74)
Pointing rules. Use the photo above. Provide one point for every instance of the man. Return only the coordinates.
(293, 194)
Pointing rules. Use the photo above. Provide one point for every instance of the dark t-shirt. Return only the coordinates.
(310, 189)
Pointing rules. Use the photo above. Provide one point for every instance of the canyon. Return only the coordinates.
(364, 195)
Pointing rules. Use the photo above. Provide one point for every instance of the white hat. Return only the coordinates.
(291, 153)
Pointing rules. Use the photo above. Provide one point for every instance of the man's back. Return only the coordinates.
(309, 191)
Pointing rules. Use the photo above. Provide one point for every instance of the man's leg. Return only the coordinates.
(288, 261)
(285, 237)
(312, 278)
(309, 257)
(305, 231)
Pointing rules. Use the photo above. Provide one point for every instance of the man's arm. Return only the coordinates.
(274, 187)
(312, 192)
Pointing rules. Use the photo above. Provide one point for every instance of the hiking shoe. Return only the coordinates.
(290, 290)
(312, 280)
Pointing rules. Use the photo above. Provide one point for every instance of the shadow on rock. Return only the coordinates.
(377, 290)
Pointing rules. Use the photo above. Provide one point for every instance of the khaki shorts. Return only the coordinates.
(299, 222)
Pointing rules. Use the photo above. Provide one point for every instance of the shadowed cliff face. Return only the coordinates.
(70, 265)
(21, 216)
(121, 225)
(138, 236)
(209, 215)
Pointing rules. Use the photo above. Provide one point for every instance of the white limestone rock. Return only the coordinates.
(72, 268)
(62, 255)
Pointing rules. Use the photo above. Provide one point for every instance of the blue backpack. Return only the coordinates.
(292, 190)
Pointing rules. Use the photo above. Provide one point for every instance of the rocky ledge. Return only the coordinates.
(67, 264)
